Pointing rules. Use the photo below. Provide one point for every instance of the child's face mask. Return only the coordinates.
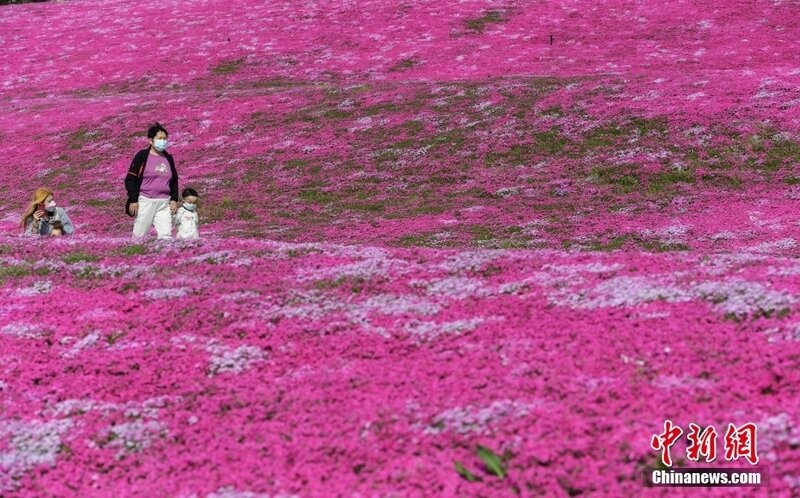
(189, 206)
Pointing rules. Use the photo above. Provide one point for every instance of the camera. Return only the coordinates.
(41, 207)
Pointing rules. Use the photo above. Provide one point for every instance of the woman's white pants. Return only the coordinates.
(153, 212)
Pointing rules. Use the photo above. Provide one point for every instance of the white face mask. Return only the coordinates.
(50, 206)
(160, 144)
(189, 206)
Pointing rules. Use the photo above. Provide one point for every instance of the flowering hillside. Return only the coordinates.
(537, 229)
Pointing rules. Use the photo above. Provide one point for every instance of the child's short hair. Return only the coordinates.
(189, 192)
(57, 225)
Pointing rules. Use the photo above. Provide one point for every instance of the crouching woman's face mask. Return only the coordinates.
(50, 206)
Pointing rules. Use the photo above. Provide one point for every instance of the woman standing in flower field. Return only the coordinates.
(152, 185)
(43, 213)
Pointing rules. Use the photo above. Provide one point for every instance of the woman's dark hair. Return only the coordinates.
(189, 192)
(153, 130)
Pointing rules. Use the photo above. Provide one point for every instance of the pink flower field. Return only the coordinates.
(448, 248)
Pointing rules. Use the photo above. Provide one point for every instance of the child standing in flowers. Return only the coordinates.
(186, 219)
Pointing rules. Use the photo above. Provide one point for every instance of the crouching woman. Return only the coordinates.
(43, 214)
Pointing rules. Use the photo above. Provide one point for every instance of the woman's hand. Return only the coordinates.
(38, 215)
(133, 209)
(173, 207)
